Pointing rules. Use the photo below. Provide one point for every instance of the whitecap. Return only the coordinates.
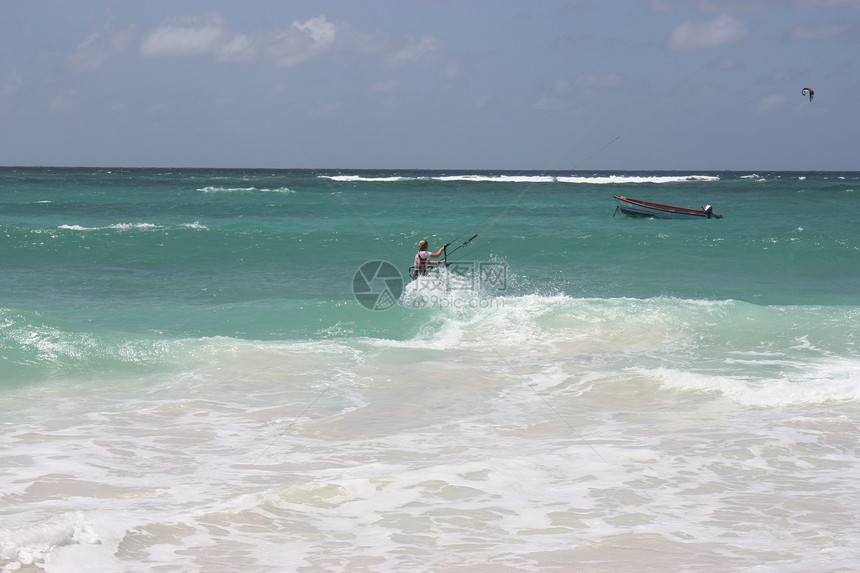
(351, 178)
(32, 544)
(622, 179)
(195, 225)
(211, 189)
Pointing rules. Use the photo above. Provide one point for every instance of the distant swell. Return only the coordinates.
(129, 227)
(477, 178)
(212, 189)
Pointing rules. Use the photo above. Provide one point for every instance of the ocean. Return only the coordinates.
(231, 370)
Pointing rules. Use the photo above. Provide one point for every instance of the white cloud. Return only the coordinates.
(425, 50)
(279, 89)
(99, 47)
(549, 102)
(716, 32)
(599, 81)
(302, 42)
(186, 36)
(13, 84)
(325, 109)
(809, 32)
(63, 103)
(715, 6)
(314, 39)
(770, 103)
(783, 75)
(660, 5)
(451, 71)
(209, 36)
(485, 101)
(385, 87)
(238, 48)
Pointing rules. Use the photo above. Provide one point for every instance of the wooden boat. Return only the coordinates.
(637, 208)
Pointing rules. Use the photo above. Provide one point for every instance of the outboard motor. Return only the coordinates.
(709, 212)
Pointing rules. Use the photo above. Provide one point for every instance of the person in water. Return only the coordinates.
(422, 259)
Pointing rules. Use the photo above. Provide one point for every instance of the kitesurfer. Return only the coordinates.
(422, 259)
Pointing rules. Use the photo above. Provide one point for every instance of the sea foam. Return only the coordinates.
(31, 544)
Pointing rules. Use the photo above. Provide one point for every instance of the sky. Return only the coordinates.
(431, 84)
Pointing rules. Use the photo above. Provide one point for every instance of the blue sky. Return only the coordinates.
(447, 84)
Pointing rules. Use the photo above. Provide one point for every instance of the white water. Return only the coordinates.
(593, 180)
(542, 433)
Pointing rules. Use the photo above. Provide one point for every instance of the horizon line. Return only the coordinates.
(445, 169)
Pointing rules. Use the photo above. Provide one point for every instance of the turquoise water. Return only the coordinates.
(271, 254)
(182, 353)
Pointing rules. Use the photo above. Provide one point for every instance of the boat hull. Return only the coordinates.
(637, 208)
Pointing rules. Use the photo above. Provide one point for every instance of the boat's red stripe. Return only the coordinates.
(659, 207)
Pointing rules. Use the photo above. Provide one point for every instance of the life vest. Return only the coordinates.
(420, 267)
